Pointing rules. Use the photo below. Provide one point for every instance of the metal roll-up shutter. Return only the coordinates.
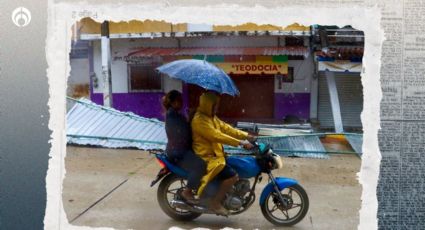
(350, 94)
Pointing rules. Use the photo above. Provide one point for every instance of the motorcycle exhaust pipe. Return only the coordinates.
(182, 205)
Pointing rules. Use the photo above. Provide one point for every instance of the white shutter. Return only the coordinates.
(350, 93)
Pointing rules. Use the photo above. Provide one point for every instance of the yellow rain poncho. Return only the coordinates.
(209, 134)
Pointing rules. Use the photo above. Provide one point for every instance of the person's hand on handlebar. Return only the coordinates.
(246, 144)
(251, 138)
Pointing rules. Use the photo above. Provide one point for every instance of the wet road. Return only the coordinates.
(110, 188)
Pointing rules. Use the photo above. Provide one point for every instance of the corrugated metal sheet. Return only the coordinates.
(350, 93)
(356, 142)
(91, 124)
(300, 146)
(308, 146)
(267, 51)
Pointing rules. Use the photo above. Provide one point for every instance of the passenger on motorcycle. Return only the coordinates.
(179, 146)
(209, 134)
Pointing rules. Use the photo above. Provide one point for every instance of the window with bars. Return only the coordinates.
(290, 76)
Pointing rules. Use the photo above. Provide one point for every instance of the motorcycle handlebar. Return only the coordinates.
(254, 142)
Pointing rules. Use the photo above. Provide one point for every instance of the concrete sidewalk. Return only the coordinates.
(110, 188)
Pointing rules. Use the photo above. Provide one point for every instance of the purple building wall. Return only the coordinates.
(149, 104)
(297, 104)
(144, 104)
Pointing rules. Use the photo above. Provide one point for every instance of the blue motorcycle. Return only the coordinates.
(283, 201)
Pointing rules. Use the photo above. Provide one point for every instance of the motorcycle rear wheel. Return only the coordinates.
(300, 203)
(167, 191)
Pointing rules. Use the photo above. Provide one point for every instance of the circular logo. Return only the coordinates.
(21, 16)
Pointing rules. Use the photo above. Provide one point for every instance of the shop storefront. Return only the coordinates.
(349, 90)
(263, 75)
(255, 78)
(271, 66)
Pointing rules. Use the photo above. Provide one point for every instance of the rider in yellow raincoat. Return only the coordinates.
(209, 134)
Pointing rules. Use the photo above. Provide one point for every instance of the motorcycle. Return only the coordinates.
(283, 201)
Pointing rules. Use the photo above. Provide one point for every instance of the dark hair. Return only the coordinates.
(170, 97)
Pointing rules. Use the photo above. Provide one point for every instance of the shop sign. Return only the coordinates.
(254, 67)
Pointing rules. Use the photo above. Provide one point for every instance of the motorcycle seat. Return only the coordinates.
(172, 167)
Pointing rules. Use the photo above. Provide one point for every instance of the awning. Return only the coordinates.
(340, 59)
(345, 66)
(354, 54)
(263, 51)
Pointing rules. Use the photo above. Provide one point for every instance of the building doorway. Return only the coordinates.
(255, 103)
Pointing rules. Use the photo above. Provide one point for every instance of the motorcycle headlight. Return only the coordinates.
(278, 164)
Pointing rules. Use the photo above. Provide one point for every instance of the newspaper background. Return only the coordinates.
(401, 203)
(401, 185)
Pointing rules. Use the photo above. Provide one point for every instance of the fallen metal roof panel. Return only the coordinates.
(308, 146)
(92, 124)
(356, 142)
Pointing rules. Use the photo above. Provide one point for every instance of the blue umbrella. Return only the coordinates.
(201, 73)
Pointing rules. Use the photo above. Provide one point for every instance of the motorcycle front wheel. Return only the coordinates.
(167, 191)
(289, 212)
